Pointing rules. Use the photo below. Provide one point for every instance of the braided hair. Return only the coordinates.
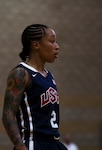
(31, 33)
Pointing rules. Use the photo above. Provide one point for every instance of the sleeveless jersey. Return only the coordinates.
(39, 108)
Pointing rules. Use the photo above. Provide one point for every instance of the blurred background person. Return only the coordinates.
(68, 143)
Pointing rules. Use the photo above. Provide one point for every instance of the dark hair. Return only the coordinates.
(31, 33)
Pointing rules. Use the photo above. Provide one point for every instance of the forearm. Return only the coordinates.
(12, 129)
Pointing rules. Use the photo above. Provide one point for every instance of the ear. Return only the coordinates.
(35, 44)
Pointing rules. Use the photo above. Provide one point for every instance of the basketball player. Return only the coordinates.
(31, 105)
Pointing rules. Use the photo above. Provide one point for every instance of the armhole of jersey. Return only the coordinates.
(29, 75)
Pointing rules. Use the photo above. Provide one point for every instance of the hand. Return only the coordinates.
(23, 147)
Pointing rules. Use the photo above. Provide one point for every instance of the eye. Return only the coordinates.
(53, 41)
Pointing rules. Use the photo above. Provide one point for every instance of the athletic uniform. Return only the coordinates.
(38, 115)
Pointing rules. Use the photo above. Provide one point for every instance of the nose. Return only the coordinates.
(57, 46)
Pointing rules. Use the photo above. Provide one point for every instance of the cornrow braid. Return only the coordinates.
(31, 33)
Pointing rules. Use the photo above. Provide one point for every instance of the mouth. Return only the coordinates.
(56, 56)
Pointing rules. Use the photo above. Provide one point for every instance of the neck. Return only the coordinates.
(37, 65)
(39, 68)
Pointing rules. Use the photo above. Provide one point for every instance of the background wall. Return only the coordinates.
(78, 71)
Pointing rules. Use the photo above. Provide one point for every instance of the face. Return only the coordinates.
(48, 51)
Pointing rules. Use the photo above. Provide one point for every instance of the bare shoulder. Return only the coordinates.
(18, 78)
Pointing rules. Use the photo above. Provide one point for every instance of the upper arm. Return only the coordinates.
(17, 81)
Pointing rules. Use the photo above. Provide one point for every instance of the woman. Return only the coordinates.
(31, 105)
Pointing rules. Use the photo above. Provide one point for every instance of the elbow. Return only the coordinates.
(3, 119)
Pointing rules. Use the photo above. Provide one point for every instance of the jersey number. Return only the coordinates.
(53, 119)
